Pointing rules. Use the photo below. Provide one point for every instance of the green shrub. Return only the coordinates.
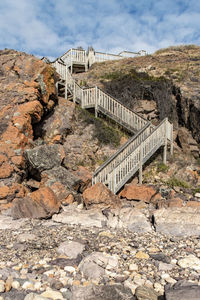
(112, 75)
(177, 182)
(105, 133)
(162, 168)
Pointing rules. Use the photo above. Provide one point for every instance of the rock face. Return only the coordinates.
(177, 221)
(27, 92)
(142, 193)
(40, 204)
(101, 195)
(168, 80)
(45, 157)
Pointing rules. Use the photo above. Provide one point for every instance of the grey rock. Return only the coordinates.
(71, 249)
(144, 293)
(33, 296)
(130, 218)
(94, 265)
(44, 157)
(25, 237)
(107, 292)
(14, 295)
(7, 222)
(182, 291)
(64, 176)
(85, 218)
(160, 257)
(178, 221)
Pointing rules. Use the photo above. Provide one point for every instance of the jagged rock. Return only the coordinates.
(130, 218)
(71, 249)
(63, 176)
(100, 195)
(85, 176)
(94, 265)
(58, 125)
(144, 293)
(45, 157)
(177, 221)
(106, 292)
(186, 141)
(40, 204)
(142, 193)
(7, 222)
(85, 218)
(182, 291)
(27, 89)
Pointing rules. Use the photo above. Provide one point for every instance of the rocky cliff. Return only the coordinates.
(45, 140)
(165, 84)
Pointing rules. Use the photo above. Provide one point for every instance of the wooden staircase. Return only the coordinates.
(146, 139)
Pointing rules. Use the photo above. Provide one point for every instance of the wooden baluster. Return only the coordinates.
(171, 140)
(165, 144)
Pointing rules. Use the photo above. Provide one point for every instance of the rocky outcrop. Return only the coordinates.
(44, 157)
(27, 93)
(177, 221)
(140, 193)
(100, 195)
(40, 204)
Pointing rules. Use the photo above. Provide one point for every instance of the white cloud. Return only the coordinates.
(52, 28)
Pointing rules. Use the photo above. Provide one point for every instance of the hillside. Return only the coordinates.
(165, 84)
(64, 238)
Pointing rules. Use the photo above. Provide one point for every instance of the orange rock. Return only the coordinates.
(100, 194)
(4, 190)
(46, 198)
(68, 200)
(85, 176)
(194, 204)
(3, 159)
(175, 202)
(134, 192)
(5, 170)
(6, 206)
(40, 204)
(18, 161)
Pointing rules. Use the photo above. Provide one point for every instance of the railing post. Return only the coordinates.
(66, 82)
(165, 145)
(171, 141)
(96, 102)
(140, 163)
(74, 90)
(57, 88)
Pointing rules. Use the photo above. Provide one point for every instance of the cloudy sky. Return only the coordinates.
(51, 27)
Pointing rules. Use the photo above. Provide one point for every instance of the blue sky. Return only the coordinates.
(51, 27)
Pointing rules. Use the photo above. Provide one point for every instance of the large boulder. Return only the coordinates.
(94, 266)
(63, 176)
(40, 204)
(101, 196)
(45, 157)
(183, 221)
(106, 292)
(182, 291)
(136, 192)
